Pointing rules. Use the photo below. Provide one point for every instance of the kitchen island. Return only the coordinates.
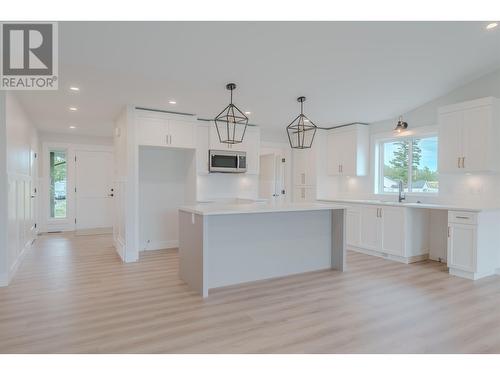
(227, 244)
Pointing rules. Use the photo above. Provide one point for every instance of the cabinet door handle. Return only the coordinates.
(377, 212)
(448, 232)
(463, 161)
(458, 162)
(303, 178)
(380, 212)
(341, 168)
(303, 193)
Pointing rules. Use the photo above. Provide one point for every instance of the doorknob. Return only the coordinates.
(111, 195)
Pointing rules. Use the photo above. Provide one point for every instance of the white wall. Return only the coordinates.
(166, 181)
(21, 145)
(216, 186)
(3, 193)
(474, 190)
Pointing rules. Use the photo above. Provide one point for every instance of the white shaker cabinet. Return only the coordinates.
(370, 228)
(353, 222)
(469, 137)
(462, 247)
(398, 233)
(166, 130)
(348, 151)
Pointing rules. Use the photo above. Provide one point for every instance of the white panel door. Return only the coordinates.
(94, 189)
(393, 230)
(268, 177)
(462, 247)
(181, 134)
(370, 228)
(450, 141)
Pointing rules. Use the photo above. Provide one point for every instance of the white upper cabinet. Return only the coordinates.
(159, 129)
(469, 137)
(181, 133)
(151, 131)
(348, 151)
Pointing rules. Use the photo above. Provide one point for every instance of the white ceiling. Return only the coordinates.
(349, 71)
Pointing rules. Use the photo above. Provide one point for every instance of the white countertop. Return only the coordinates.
(257, 207)
(409, 205)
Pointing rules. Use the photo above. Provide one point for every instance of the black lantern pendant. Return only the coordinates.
(301, 130)
(231, 123)
(401, 125)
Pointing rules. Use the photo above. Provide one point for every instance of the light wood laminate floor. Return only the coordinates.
(72, 294)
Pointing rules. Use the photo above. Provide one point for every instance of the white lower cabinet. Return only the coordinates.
(353, 234)
(393, 230)
(370, 228)
(462, 247)
(398, 233)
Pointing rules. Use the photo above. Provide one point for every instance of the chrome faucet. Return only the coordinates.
(401, 196)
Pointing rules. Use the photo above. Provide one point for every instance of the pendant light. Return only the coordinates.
(401, 125)
(231, 123)
(301, 130)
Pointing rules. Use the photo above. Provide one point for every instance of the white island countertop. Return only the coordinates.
(409, 204)
(257, 207)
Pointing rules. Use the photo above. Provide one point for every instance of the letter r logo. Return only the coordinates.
(27, 49)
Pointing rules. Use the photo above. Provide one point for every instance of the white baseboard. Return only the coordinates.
(469, 275)
(120, 247)
(5, 280)
(160, 245)
(396, 258)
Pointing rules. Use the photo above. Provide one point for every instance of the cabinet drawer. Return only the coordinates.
(461, 217)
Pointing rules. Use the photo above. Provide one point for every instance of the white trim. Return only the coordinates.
(397, 258)
(160, 245)
(48, 224)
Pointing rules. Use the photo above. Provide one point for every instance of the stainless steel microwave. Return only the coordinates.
(227, 161)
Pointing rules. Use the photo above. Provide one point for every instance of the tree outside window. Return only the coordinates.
(413, 161)
(58, 181)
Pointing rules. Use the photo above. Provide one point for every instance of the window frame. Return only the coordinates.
(409, 136)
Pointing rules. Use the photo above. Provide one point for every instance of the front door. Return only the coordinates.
(94, 191)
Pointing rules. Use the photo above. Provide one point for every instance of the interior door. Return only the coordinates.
(33, 194)
(268, 177)
(94, 191)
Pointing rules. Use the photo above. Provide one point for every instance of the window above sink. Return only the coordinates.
(413, 160)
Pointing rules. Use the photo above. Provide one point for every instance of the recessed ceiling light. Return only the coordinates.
(172, 102)
(73, 109)
(72, 127)
(248, 113)
(74, 88)
(491, 25)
